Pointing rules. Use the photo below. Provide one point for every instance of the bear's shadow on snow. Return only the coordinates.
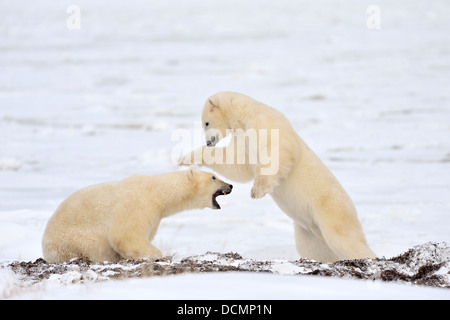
(427, 265)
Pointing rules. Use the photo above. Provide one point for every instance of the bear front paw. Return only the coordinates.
(258, 193)
(155, 254)
(192, 158)
(263, 185)
(184, 161)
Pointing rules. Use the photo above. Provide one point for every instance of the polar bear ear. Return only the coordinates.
(212, 104)
(190, 173)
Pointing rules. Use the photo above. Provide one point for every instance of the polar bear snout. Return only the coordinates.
(227, 189)
(212, 141)
(223, 190)
(212, 136)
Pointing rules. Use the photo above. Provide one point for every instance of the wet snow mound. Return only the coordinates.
(427, 265)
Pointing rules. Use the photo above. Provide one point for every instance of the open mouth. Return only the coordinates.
(222, 191)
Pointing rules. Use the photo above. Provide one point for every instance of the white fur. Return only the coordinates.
(117, 220)
(326, 223)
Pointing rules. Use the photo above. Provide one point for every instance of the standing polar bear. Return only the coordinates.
(326, 225)
(117, 220)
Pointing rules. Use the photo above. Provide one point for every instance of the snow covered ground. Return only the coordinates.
(78, 107)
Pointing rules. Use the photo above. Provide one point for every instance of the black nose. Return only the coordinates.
(231, 186)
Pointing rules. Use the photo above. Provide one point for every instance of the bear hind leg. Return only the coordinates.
(310, 246)
(347, 241)
(59, 253)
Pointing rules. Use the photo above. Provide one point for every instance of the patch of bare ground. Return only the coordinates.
(426, 265)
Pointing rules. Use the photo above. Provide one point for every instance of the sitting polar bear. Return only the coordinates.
(117, 220)
(325, 220)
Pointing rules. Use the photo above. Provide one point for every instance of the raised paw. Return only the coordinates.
(191, 158)
(262, 186)
(258, 192)
(184, 161)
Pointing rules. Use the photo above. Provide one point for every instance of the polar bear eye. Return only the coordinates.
(206, 124)
(213, 177)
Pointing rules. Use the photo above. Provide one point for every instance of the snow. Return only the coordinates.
(79, 107)
(235, 286)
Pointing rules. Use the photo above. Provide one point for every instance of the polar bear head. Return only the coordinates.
(214, 120)
(226, 111)
(207, 187)
(220, 114)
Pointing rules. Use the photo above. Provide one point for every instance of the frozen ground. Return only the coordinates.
(78, 107)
